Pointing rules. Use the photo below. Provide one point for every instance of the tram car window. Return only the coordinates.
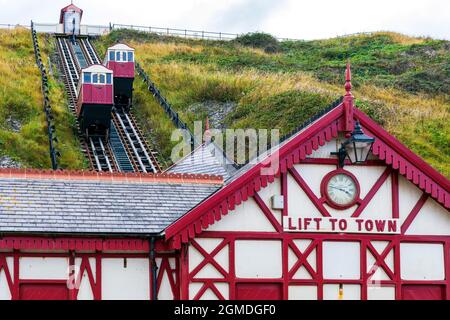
(120, 59)
(95, 100)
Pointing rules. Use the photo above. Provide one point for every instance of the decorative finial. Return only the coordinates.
(348, 80)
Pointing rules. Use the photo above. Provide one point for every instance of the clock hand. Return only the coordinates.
(342, 190)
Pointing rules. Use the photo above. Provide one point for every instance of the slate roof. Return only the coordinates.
(206, 159)
(107, 207)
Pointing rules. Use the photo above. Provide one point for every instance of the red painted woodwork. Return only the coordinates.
(423, 292)
(316, 273)
(44, 291)
(324, 189)
(97, 94)
(259, 291)
(85, 244)
(121, 69)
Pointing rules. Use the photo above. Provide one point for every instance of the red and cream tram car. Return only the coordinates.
(95, 99)
(120, 59)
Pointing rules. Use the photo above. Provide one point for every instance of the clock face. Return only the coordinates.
(341, 190)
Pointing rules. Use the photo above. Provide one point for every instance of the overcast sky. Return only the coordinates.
(302, 19)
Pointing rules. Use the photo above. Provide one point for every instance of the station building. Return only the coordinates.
(339, 210)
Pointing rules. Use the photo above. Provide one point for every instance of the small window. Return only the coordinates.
(109, 78)
(95, 78)
(118, 56)
(130, 56)
(102, 78)
(124, 56)
(112, 56)
(87, 77)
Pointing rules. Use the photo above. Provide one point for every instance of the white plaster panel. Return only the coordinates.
(165, 290)
(5, 293)
(266, 195)
(44, 268)
(258, 259)
(432, 219)
(299, 205)
(422, 261)
(313, 175)
(209, 295)
(208, 244)
(302, 292)
(85, 292)
(346, 213)
(194, 288)
(350, 292)
(224, 289)
(380, 207)
(246, 217)
(130, 283)
(222, 258)
(302, 274)
(408, 195)
(341, 260)
(367, 176)
(195, 258)
(380, 293)
(209, 272)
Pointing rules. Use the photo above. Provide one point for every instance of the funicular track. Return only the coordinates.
(124, 149)
(96, 148)
(141, 157)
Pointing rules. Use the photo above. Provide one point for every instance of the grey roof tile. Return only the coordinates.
(206, 159)
(56, 206)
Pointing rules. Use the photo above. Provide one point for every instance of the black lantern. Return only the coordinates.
(357, 148)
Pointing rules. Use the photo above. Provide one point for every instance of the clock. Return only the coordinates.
(340, 189)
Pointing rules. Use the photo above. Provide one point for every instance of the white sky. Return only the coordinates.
(301, 19)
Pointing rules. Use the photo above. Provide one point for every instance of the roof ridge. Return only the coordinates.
(72, 175)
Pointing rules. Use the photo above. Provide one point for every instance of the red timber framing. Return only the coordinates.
(84, 249)
(395, 157)
(316, 273)
(316, 245)
(391, 152)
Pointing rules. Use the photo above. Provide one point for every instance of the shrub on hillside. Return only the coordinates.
(260, 40)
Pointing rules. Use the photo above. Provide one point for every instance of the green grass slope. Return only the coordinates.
(23, 129)
(258, 82)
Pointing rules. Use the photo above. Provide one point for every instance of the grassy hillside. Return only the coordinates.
(23, 136)
(255, 81)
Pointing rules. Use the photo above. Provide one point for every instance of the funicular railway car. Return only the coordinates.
(95, 99)
(120, 59)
